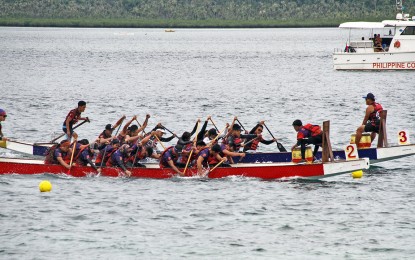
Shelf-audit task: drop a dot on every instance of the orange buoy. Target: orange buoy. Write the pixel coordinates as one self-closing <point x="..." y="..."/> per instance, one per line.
<point x="296" y="155"/>
<point x="397" y="44"/>
<point x="365" y="141"/>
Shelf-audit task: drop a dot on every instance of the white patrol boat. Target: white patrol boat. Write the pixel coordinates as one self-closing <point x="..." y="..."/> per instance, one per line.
<point x="386" y="45"/>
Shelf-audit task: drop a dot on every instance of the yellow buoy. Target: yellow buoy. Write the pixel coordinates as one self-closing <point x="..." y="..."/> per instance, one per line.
<point x="45" y="186"/>
<point x="357" y="174"/>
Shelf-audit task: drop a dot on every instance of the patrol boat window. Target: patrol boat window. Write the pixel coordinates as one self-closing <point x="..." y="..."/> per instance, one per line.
<point x="409" y="30"/>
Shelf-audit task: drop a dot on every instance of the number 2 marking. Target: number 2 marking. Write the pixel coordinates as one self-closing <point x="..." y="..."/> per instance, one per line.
<point x="350" y="152"/>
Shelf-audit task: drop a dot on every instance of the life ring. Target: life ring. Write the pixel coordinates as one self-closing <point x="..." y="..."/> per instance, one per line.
<point x="397" y="44"/>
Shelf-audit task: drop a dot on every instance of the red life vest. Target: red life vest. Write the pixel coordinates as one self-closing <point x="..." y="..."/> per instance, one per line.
<point x="75" y="115"/>
<point x="374" y="117"/>
<point x="308" y="130"/>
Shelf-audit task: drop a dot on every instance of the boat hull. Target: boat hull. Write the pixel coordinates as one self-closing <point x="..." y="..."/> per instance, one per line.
<point x="259" y="170"/>
<point x="27" y="148"/>
<point x="375" y="155"/>
<point x="374" y="61"/>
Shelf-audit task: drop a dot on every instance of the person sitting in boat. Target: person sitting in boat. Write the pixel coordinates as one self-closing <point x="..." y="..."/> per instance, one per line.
<point x="307" y="134"/>
<point x="207" y="157"/>
<point x="106" y="153"/>
<point x="168" y="159"/>
<point x="84" y="153"/>
<point x="234" y="140"/>
<point x="251" y="143"/>
<point x="129" y="134"/>
<point x="106" y="136"/>
<point x="59" y="154"/>
<point x="139" y="151"/>
<point x="72" y="118"/>
<point x="3" y="116"/>
<point x="119" y="157"/>
<point x="371" y="121"/>
<point x="158" y="137"/>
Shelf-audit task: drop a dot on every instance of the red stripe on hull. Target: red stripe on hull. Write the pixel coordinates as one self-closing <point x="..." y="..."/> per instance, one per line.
<point x="273" y="171"/>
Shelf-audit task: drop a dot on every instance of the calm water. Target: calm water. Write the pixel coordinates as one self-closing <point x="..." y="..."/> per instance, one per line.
<point x="276" y="75"/>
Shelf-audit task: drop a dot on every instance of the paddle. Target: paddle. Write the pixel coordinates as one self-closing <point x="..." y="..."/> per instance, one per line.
<point x="241" y="124"/>
<point x="78" y="125"/>
<point x="105" y="150"/>
<point x="279" y="145"/>
<point x="160" y="142"/>
<point x="73" y="152"/>
<point x="191" y="152"/>
<point x="217" y="165"/>
<point x="211" y="120"/>
<point x="168" y="130"/>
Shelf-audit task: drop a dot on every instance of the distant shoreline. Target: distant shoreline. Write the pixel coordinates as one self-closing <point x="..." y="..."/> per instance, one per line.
<point x="135" y="23"/>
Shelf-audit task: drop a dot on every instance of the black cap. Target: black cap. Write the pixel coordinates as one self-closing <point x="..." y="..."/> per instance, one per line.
<point x="200" y="143"/>
<point x="370" y="96"/>
<point x="236" y="127"/>
<point x="108" y="127"/>
<point x="297" y="122"/>
<point x="216" y="148"/>
<point x="212" y="131"/>
<point x="115" y="141"/>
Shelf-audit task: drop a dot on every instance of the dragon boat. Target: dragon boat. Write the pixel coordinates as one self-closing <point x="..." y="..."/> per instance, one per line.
<point x="255" y="170"/>
<point x="328" y="167"/>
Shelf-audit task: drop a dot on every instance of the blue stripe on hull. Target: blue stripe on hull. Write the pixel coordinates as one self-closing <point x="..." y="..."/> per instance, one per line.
<point x="286" y="157"/>
<point x="39" y="150"/>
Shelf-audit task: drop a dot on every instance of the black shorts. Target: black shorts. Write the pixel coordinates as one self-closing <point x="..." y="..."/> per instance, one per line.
<point x="371" y="128"/>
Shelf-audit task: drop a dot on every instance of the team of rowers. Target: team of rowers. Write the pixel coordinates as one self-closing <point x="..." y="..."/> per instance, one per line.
<point x="207" y="148"/>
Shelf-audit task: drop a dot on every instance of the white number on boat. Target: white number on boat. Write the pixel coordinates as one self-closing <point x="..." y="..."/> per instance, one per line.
<point x="403" y="137"/>
<point x="351" y="152"/>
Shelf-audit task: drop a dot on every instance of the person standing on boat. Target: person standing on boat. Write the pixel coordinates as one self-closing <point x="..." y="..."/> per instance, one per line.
<point x="3" y="116"/>
<point x="371" y="121"/>
<point x="307" y="134"/>
<point x="72" y="118"/>
<point x="252" y="143"/>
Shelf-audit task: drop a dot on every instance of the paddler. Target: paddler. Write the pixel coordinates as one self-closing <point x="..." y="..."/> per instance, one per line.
<point x="129" y="134"/>
<point x="84" y="153"/>
<point x="119" y="157"/>
<point x="59" y="154"/>
<point x="208" y="156"/>
<point x="106" y="136"/>
<point x="169" y="158"/>
<point x="371" y="121"/>
<point x="307" y="134"/>
<point x="3" y="116"/>
<point x="234" y="140"/>
<point x="139" y="151"/>
<point x="72" y="118"/>
<point x="106" y="152"/>
<point x="252" y="143"/>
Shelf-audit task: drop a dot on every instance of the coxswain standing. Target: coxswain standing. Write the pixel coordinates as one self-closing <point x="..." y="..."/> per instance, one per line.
<point x="3" y="116"/>
<point x="72" y="118"/>
<point x="371" y="121"/>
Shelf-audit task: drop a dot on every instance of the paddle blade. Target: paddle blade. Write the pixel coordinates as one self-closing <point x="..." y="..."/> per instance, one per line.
<point x="281" y="148"/>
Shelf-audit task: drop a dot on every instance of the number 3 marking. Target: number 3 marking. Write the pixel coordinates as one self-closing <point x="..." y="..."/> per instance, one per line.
<point x="403" y="138"/>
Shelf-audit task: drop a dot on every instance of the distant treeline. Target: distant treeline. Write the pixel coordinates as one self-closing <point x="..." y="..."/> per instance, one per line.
<point x="194" y="13"/>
